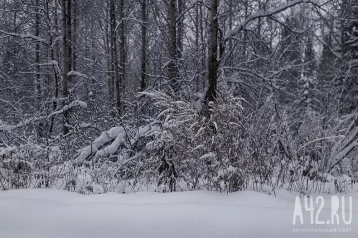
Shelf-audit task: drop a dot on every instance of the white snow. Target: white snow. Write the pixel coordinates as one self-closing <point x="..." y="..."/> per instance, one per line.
<point x="6" y="150"/>
<point x="208" y="155"/>
<point x="104" y="138"/>
<point x="112" y="148"/>
<point x="41" y="213"/>
<point x="85" y="125"/>
<point x="75" y="73"/>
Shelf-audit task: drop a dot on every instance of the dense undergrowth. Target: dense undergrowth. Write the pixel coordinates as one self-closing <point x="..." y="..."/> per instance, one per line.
<point x="179" y="145"/>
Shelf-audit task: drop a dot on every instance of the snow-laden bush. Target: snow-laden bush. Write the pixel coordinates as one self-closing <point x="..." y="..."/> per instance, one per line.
<point x="197" y="149"/>
<point x="182" y="147"/>
<point x="27" y="165"/>
<point x="298" y="154"/>
<point x="188" y="144"/>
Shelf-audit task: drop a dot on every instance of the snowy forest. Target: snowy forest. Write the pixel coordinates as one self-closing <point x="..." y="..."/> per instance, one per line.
<point x="176" y="95"/>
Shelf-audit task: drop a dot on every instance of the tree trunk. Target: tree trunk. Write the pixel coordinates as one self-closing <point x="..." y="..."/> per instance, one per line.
<point x="123" y="56"/>
<point x="66" y="38"/>
<point x="37" y="52"/>
<point x="108" y="40"/>
<point x="74" y="35"/>
<point x="143" y="84"/>
<point x="37" y="62"/>
<point x="180" y="35"/>
<point x="197" y="80"/>
<point x="213" y="52"/>
<point x="203" y="51"/>
<point x="114" y="53"/>
<point x="230" y="45"/>
<point x="172" y="48"/>
<point x="244" y="50"/>
<point x="54" y="67"/>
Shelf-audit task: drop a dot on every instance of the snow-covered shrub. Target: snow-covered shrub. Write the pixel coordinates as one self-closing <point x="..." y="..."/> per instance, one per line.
<point x="20" y="165"/>
<point x="195" y="147"/>
<point x="188" y="144"/>
<point x="291" y="152"/>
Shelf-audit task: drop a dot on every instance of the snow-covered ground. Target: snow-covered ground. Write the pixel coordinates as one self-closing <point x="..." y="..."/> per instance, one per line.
<point x="40" y="213"/>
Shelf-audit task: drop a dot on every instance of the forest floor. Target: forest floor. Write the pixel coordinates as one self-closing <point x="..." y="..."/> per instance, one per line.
<point x="46" y="213"/>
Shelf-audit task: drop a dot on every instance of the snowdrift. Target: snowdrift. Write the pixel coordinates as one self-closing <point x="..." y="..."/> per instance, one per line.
<point x="40" y="213"/>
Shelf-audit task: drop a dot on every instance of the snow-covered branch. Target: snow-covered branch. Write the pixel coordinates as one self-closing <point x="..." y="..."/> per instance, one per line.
<point x="260" y="14"/>
<point x="24" y="36"/>
<point x="76" y="103"/>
